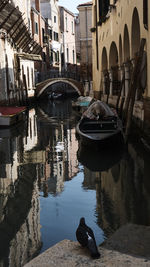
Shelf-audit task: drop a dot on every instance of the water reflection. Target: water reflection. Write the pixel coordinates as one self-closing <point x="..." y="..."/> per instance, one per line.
<point x="20" y="234"/>
<point x="48" y="181"/>
<point x="101" y="159"/>
<point x="57" y="127"/>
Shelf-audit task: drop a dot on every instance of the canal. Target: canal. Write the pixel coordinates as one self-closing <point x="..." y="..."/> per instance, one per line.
<point x="48" y="181"/>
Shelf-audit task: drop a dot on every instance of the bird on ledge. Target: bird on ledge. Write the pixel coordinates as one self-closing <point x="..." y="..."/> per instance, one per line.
<point x="85" y="237"/>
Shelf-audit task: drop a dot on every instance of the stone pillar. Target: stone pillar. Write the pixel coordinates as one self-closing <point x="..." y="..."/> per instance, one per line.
<point x="103" y="83"/>
<point x="127" y="77"/>
<point x="121" y="72"/>
<point x="111" y="82"/>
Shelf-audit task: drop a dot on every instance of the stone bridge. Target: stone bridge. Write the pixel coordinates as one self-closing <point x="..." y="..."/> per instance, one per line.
<point x="41" y="87"/>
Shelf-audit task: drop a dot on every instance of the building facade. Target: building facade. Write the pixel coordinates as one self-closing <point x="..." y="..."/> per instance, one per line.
<point x="68" y="47"/>
<point x="50" y="11"/>
<point x="85" y="25"/>
<point x="17" y="52"/>
<point x="118" y="28"/>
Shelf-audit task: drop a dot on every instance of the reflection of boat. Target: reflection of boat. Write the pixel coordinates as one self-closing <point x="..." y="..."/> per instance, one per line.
<point x="11" y="115"/>
<point x="99" y="125"/>
<point x="99" y="160"/>
<point x="56" y="95"/>
<point x="82" y="101"/>
<point x="13" y="131"/>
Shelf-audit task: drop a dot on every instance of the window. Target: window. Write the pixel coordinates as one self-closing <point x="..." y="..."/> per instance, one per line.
<point x="55" y="36"/>
<point x="28" y="77"/>
<point x="103" y="9"/>
<point x="36" y="28"/>
<point x="50" y="33"/>
<point x="66" y="22"/>
<point x="51" y="56"/>
<point x="67" y="55"/>
<point x="73" y="56"/>
<point x="57" y="56"/>
<point x="72" y="27"/>
<point x="145" y="14"/>
<point x="54" y="19"/>
<point x="43" y="33"/>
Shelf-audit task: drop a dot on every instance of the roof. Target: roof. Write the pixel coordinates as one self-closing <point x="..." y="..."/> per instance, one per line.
<point x="68" y="11"/>
<point x="86" y="4"/>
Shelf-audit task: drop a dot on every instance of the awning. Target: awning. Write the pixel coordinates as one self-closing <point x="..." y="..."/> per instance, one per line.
<point x="12" y="21"/>
<point x="32" y="57"/>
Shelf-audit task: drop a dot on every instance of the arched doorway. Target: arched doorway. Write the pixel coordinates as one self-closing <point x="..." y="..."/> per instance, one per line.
<point x="113" y="69"/>
<point x="105" y="74"/>
<point x="126" y="44"/>
<point x="127" y="63"/>
<point x="135" y="33"/>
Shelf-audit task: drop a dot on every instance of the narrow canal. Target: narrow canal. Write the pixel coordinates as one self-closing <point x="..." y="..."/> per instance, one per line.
<point x="48" y="181"/>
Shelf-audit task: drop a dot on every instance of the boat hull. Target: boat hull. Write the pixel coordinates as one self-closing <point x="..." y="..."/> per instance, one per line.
<point x="98" y="138"/>
<point x="12" y="115"/>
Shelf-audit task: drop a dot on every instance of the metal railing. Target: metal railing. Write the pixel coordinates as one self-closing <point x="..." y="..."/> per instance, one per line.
<point x="42" y="76"/>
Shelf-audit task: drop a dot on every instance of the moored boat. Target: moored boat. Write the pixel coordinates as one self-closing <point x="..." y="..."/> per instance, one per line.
<point x="99" y="125"/>
<point x="11" y="115"/>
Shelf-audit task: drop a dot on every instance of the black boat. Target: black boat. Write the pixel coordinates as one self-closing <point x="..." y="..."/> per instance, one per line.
<point x="99" y="125"/>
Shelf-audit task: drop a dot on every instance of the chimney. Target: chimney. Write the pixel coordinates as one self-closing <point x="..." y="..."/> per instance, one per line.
<point x="37" y="5"/>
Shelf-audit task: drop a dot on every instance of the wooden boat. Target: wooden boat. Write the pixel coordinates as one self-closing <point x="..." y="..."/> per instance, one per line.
<point x="99" y="125"/>
<point x="11" y="115"/>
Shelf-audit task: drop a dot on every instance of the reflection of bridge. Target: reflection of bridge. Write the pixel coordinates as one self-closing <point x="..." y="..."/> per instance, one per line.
<point x="41" y="87"/>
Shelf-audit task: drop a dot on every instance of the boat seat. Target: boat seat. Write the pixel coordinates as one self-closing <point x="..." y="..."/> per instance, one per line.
<point x="97" y="131"/>
<point x="99" y="127"/>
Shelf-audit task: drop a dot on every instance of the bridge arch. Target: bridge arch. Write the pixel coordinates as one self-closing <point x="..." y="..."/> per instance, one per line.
<point x="41" y="87"/>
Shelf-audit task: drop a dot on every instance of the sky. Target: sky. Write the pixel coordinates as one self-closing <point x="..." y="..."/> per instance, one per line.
<point x="71" y="4"/>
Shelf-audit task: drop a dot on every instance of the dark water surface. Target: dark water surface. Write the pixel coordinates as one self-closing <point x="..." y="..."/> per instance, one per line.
<point x="48" y="181"/>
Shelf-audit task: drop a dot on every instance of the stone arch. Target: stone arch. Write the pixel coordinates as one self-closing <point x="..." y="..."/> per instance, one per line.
<point x="113" y="72"/>
<point x="105" y="74"/>
<point x="104" y="59"/>
<point x="126" y="44"/>
<point x="120" y="50"/>
<point x="113" y="55"/>
<point x="42" y="86"/>
<point x="135" y="32"/>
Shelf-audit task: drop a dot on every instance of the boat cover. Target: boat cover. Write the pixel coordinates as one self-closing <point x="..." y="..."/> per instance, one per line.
<point x="8" y="111"/>
<point x="98" y="109"/>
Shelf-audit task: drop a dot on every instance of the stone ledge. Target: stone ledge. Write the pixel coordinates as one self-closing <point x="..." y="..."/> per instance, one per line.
<point x="115" y="252"/>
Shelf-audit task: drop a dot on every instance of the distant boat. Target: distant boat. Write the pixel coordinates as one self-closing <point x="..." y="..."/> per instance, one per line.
<point x="99" y="125"/>
<point x="82" y="101"/>
<point x="56" y="95"/>
<point x="11" y="115"/>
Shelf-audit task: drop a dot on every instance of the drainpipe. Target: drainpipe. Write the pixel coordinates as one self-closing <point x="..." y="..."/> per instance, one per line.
<point x="87" y="57"/>
<point x="3" y="37"/>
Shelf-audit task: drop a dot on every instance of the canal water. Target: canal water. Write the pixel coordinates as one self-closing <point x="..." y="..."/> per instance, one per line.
<point x="48" y="181"/>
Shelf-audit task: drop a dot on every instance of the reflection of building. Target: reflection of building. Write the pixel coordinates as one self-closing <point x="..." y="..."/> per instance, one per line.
<point x="62" y="162"/>
<point x="123" y="192"/>
<point x="27" y="240"/>
<point x="30" y="141"/>
<point x="61" y="147"/>
<point x="20" y="166"/>
<point x="72" y="147"/>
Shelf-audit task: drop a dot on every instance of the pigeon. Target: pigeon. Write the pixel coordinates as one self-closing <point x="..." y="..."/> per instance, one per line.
<point x="85" y="237"/>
